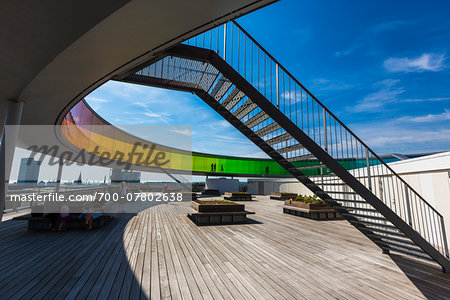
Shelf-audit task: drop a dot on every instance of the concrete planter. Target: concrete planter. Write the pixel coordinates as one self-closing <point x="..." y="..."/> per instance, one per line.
<point x="207" y="206"/>
<point x="210" y="213"/>
<point x="236" y="196"/>
<point x="315" y="211"/>
<point x="301" y="204"/>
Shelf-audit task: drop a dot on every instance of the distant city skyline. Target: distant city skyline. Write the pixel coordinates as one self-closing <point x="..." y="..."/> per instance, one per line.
<point x="384" y="73"/>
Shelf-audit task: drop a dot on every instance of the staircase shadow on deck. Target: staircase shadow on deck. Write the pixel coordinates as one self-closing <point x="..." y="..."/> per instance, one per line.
<point x="70" y="264"/>
<point x="416" y="269"/>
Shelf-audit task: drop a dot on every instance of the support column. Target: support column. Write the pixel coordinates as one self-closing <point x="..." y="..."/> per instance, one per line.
<point x="58" y="177"/>
<point x="7" y="148"/>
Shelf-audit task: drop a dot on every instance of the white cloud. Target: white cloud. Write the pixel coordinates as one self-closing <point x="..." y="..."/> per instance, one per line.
<point x="291" y="95"/>
<point x="222" y="123"/>
<point x="141" y="104"/>
<point x="185" y="132"/>
<point x="389" y="25"/>
<point x="94" y="99"/>
<point x="347" y="51"/>
<point x="429" y="118"/>
<point x="324" y="84"/>
<point x="414" y="100"/>
<point x="389" y="136"/>
<point x="387" y="92"/>
<point x="409" y="138"/>
<point x="96" y="102"/>
<point x="425" y="62"/>
<point x="163" y="117"/>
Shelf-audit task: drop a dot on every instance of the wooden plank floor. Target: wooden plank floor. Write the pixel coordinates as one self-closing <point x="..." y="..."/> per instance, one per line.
<point x="160" y="253"/>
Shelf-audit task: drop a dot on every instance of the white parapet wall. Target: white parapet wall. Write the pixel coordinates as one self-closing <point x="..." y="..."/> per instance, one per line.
<point x="222" y="184"/>
<point x="428" y="175"/>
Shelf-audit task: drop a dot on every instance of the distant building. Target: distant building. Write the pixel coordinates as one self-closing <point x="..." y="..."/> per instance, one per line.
<point x="119" y="175"/>
<point x="29" y="171"/>
<point x="78" y="181"/>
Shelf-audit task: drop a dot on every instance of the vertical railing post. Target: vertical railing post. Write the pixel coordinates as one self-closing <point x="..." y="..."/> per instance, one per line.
<point x="325" y="138"/>
<point x="225" y="42"/>
<point x="408" y="206"/>
<point x="444" y="236"/>
<point x="368" y="169"/>
<point x="277" y="76"/>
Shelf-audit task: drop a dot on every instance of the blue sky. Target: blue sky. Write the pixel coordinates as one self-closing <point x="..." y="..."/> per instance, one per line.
<point x="381" y="66"/>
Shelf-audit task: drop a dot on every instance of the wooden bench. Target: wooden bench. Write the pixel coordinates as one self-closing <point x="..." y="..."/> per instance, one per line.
<point x="42" y="223"/>
<point x="236" y="196"/>
<point x="218" y="218"/>
<point x="315" y="214"/>
<point x="211" y="192"/>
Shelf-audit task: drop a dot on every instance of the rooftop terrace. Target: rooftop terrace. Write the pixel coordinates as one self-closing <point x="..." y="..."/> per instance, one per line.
<point x="160" y="253"/>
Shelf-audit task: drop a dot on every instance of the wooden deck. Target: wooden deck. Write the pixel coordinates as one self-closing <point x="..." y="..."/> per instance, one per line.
<point x="160" y="253"/>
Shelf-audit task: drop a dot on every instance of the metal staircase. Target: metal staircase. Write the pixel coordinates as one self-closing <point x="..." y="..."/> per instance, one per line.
<point x="240" y="80"/>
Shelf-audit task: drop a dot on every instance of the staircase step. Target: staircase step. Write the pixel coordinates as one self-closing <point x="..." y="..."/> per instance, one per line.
<point x="268" y="129"/>
<point x="279" y="139"/>
<point x="341" y="192"/>
<point x="208" y="88"/>
<point x="359" y="208"/>
<point x="256" y="119"/>
<point x="331" y="184"/>
<point x="350" y="201"/>
<point x="221" y="87"/>
<point x="233" y="99"/>
<point x="364" y="216"/>
<point x="245" y="109"/>
<point x="310" y="167"/>
<point x="218" y="85"/>
<point x="300" y="157"/>
<point x="291" y="148"/>
<point x="234" y="91"/>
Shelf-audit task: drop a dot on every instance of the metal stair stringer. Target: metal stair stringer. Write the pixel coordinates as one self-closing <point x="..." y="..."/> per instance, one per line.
<point x="305" y="180"/>
<point x="257" y="140"/>
<point x="204" y="55"/>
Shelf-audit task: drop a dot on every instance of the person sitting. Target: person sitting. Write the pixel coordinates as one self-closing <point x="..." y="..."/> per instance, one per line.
<point x="92" y="213"/>
<point x="50" y="210"/>
<point x="83" y="216"/>
<point x="53" y="218"/>
<point x="90" y="216"/>
<point x="64" y="217"/>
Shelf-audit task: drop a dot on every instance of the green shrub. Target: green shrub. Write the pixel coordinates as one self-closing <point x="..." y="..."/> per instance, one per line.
<point x="226" y="202"/>
<point x="308" y="199"/>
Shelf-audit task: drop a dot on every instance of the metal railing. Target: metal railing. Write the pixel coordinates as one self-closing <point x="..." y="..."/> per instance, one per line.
<point x="271" y="79"/>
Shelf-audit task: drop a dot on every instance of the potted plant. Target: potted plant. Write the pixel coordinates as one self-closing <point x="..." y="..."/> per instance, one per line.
<point x="308" y="202"/>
